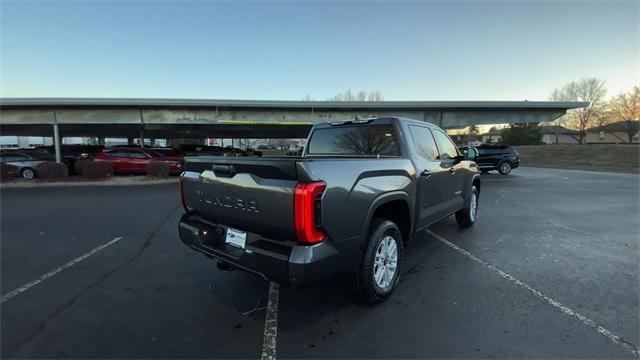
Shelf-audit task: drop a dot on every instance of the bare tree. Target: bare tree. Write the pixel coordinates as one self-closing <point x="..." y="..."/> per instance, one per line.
<point x="348" y="96"/>
<point x="375" y="96"/>
<point x="360" y="96"/>
<point x="284" y="144"/>
<point x="626" y="107"/>
<point x="591" y="90"/>
<point x="472" y="133"/>
<point x="251" y="143"/>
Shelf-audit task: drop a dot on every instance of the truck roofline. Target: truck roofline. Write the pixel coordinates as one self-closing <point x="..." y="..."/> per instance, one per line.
<point x="372" y="120"/>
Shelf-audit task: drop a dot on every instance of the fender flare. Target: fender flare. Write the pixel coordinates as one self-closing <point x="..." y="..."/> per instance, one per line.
<point x="467" y="190"/>
<point x="381" y="200"/>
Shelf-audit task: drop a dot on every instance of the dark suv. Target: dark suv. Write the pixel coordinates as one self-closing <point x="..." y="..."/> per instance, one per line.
<point x="496" y="157"/>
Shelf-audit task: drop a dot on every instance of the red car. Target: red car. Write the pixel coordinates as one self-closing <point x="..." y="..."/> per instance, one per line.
<point x="168" y="152"/>
<point x="136" y="160"/>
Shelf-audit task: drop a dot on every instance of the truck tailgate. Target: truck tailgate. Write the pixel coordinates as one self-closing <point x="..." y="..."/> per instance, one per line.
<point x="244" y="193"/>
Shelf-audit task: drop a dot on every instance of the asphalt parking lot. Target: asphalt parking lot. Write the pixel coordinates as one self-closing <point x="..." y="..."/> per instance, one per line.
<point x="550" y="270"/>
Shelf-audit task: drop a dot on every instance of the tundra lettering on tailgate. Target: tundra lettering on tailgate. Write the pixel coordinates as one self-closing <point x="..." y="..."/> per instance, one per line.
<point x="229" y="201"/>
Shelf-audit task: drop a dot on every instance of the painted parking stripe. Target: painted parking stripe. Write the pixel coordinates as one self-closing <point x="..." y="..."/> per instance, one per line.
<point x="537" y="293"/>
<point x="271" y="324"/>
<point x="55" y="271"/>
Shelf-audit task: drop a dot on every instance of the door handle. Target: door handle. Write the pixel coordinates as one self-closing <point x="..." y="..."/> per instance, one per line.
<point x="426" y="173"/>
<point x="452" y="170"/>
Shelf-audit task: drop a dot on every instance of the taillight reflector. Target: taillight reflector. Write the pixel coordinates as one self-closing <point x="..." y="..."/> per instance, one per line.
<point x="305" y="197"/>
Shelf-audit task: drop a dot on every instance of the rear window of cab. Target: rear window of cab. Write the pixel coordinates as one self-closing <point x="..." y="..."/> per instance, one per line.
<point x="371" y="140"/>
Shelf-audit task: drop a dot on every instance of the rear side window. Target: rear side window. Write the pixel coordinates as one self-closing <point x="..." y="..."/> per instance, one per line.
<point x="355" y="140"/>
<point x="446" y="147"/>
<point x="13" y="157"/>
<point x="155" y="153"/>
<point x="423" y="142"/>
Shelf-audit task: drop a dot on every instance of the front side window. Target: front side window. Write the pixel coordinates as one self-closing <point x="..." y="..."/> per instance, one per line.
<point x="137" y="154"/>
<point x="117" y="153"/>
<point x="423" y="142"/>
<point x="355" y="140"/>
<point x="446" y="147"/>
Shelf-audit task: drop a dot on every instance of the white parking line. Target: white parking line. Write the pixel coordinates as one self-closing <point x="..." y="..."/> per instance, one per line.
<point x="271" y="324"/>
<point x="537" y="293"/>
<point x="51" y="273"/>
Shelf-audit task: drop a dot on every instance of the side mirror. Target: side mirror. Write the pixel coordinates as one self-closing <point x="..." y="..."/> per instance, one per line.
<point x="470" y="154"/>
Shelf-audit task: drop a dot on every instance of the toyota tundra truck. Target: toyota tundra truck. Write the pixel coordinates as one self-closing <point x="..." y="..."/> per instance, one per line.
<point x="346" y="206"/>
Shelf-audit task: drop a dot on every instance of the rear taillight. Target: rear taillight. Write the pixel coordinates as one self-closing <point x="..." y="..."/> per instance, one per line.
<point x="306" y="209"/>
<point x="180" y="190"/>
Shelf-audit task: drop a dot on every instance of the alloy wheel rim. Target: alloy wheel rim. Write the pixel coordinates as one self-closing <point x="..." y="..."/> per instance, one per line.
<point x="386" y="262"/>
<point x="473" y="206"/>
<point x="505" y="167"/>
<point x="28" y="174"/>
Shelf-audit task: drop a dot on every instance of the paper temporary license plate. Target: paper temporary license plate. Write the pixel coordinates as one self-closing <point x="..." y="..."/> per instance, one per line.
<point x="236" y="238"/>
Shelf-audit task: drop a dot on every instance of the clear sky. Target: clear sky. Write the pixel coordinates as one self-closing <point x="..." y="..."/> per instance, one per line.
<point x="506" y="50"/>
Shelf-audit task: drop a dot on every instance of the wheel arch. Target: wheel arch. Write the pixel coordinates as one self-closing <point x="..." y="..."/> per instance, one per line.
<point x="394" y="206"/>
<point x="475" y="181"/>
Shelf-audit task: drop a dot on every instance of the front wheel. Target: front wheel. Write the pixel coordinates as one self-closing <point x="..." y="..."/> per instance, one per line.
<point x="466" y="216"/>
<point x="380" y="270"/>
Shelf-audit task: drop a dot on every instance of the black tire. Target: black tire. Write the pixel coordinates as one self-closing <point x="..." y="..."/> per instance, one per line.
<point x="465" y="217"/>
<point x="370" y="290"/>
<point x="28" y="173"/>
<point x="504" y="167"/>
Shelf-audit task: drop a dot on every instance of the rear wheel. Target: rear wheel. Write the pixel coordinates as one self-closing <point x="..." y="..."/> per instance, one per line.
<point x="380" y="269"/>
<point x="28" y="173"/>
<point x="466" y="217"/>
<point x="504" y="168"/>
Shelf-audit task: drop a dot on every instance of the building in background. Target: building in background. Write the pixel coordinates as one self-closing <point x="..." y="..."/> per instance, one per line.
<point x="556" y="134"/>
<point x="493" y="136"/>
<point x="614" y="133"/>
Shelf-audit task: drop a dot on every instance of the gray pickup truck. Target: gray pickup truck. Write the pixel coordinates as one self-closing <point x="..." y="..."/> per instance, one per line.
<point x="348" y="205"/>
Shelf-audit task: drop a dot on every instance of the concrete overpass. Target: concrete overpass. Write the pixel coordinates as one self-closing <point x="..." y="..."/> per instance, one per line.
<point x="197" y="118"/>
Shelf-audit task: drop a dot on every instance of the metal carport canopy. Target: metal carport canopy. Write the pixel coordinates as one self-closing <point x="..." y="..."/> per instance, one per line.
<point x="247" y="118"/>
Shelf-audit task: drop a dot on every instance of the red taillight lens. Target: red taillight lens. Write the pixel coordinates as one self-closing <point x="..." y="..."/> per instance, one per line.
<point x="306" y="199"/>
<point x="181" y="191"/>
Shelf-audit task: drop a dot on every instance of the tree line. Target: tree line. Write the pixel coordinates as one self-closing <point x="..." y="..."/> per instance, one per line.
<point x="624" y="107"/>
<point x="353" y="96"/>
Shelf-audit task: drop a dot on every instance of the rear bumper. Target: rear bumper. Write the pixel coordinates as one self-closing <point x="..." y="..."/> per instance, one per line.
<point x="284" y="262"/>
